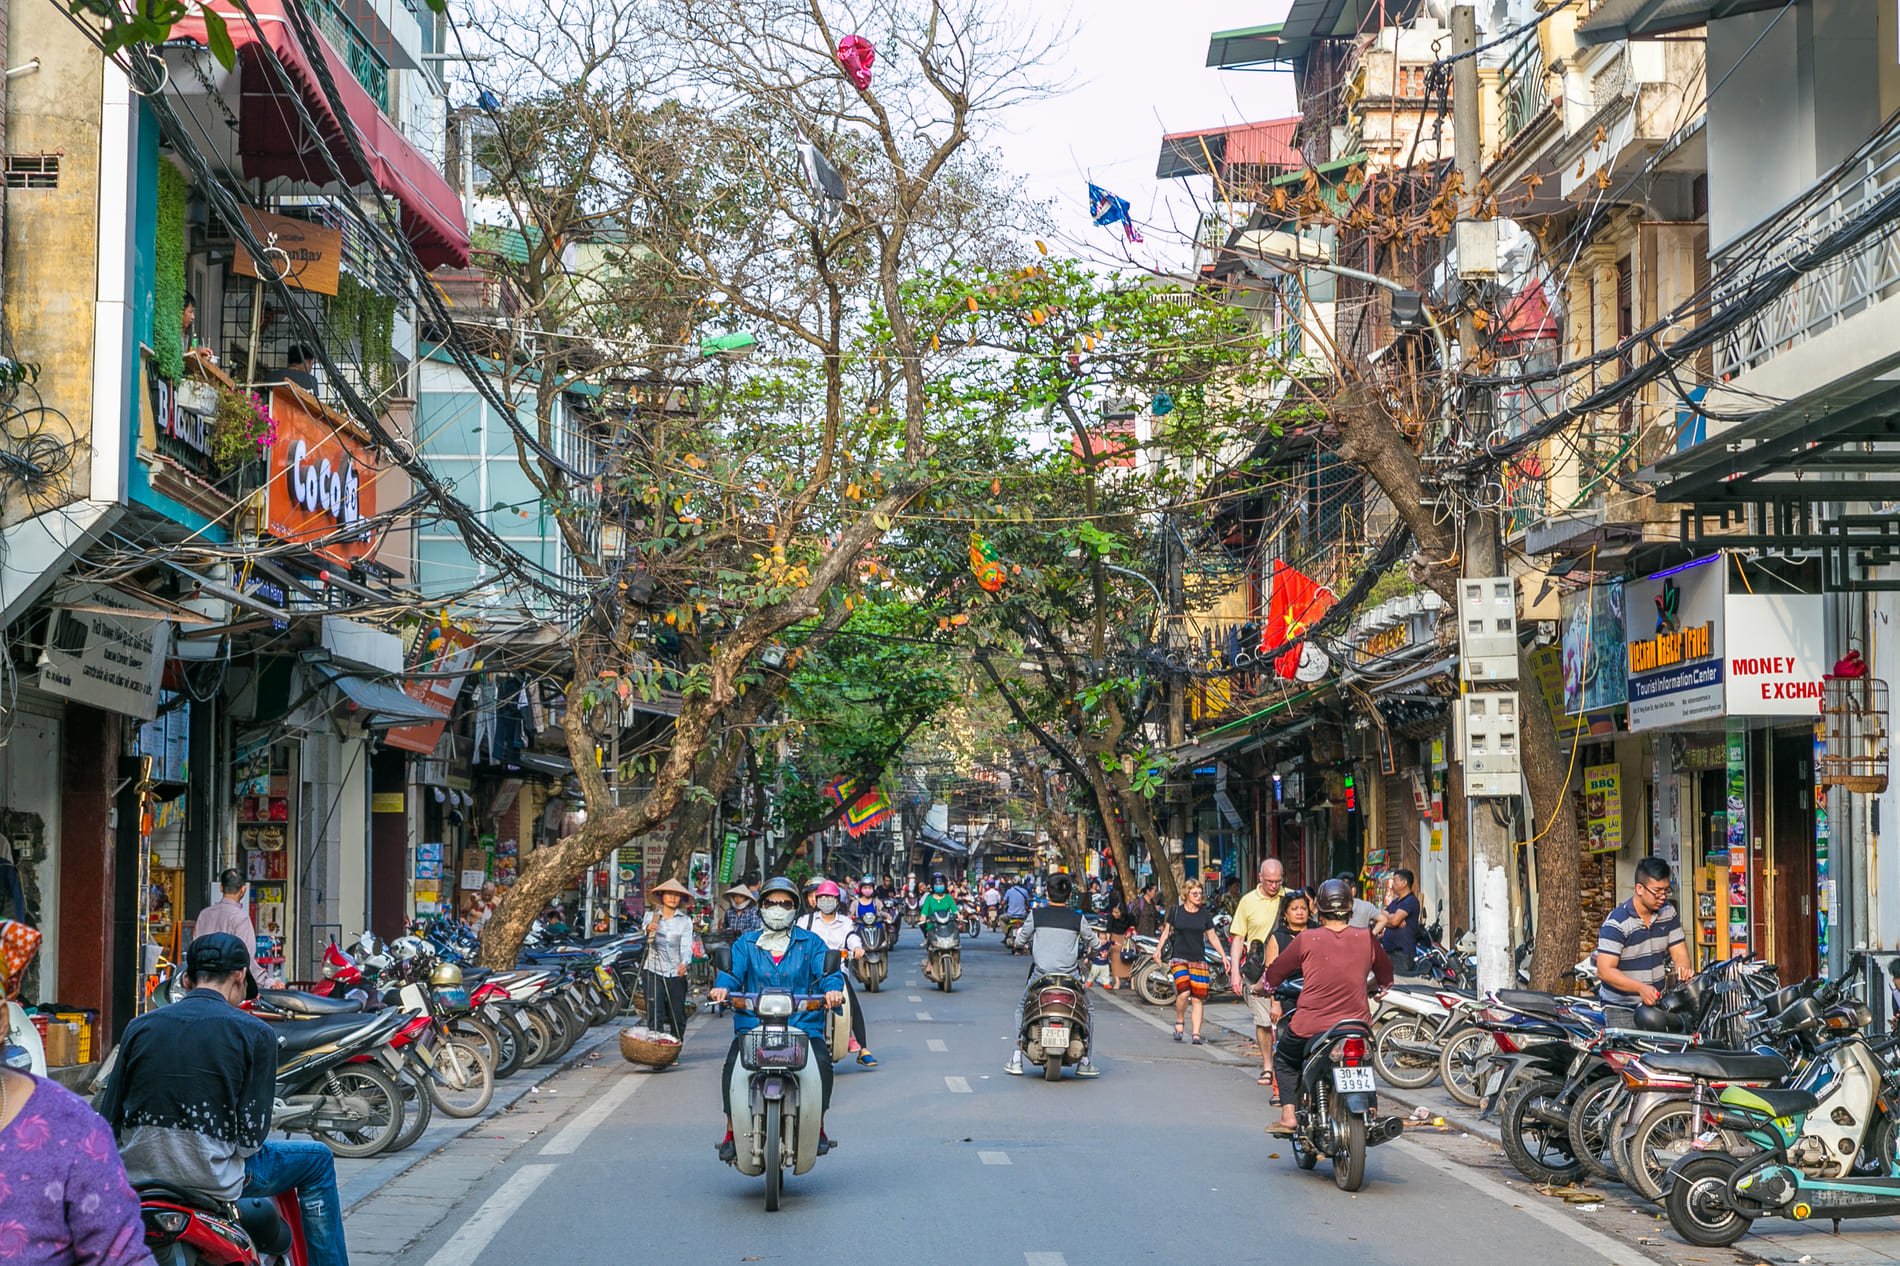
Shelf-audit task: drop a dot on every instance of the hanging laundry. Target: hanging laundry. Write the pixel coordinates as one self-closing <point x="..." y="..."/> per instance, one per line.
<point x="1106" y="209"/>
<point x="856" y="55"/>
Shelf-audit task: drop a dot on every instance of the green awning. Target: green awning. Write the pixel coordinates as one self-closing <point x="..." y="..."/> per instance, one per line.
<point x="1247" y="46"/>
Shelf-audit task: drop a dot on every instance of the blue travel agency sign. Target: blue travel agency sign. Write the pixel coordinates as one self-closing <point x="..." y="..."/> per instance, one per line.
<point x="1673" y="641"/>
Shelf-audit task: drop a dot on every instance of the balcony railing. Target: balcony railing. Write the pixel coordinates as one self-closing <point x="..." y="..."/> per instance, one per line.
<point x="1522" y="85"/>
<point x="367" y="66"/>
<point x="1853" y="281"/>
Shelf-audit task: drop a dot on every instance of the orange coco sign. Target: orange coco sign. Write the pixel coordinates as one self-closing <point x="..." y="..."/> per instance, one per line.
<point x="322" y="481"/>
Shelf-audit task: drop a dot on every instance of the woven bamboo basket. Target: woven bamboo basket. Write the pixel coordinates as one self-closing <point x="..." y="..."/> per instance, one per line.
<point x="644" y="1046"/>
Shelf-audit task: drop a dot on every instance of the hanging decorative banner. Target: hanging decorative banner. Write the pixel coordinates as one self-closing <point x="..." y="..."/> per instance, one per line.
<point x="985" y="564"/>
<point x="1105" y="209"/>
<point x="1737" y="841"/>
<point x="868" y="810"/>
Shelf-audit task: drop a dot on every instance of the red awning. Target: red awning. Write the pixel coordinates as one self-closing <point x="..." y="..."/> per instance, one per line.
<point x="273" y="141"/>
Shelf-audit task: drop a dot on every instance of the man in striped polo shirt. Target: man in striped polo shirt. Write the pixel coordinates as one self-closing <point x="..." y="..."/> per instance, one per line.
<point x="1640" y="939"/>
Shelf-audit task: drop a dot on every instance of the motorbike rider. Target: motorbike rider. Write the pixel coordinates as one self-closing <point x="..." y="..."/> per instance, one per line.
<point x="778" y="955"/>
<point x="1060" y="941"/>
<point x="840" y="933"/>
<point x="190" y="1101"/>
<point x="1333" y="961"/>
<point x="1016" y="901"/>
<point x="938" y="903"/>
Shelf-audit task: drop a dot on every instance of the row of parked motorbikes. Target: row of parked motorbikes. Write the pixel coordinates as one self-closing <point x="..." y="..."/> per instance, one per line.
<point x="1733" y="1098"/>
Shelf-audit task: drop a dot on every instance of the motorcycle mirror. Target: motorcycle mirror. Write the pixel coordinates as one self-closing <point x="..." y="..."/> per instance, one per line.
<point x="833" y="961"/>
<point x="721" y="956"/>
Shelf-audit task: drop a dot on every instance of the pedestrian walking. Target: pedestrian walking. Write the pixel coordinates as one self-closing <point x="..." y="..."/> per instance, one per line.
<point x="1185" y="936"/>
<point x="670" y="933"/>
<point x="1255" y="917"/>
<point x="1296" y="915"/>
<point x="1146" y="911"/>
<point x="1120" y="925"/>
<point x="1403" y="917"/>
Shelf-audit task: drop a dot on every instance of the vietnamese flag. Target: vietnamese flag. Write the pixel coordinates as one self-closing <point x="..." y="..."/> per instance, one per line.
<point x="1296" y="603"/>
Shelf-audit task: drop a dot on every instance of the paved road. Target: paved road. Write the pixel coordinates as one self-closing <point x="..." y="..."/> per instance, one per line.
<point x="943" y="1158"/>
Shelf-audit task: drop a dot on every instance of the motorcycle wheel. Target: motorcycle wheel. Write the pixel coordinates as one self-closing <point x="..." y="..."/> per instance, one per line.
<point x="1541" y="1152"/>
<point x="567" y="1027"/>
<point x="1404" y="1069"/>
<point x="514" y="1045"/>
<point x="1153" y="985"/>
<point x="1349" y="1162"/>
<point x="482" y="1034"/>
<point x="1461" y="1064"/>
<point x="377" y="1132"/>
<point x="1698" y="1205"/>
<point x="1594" y="1114"/>
<point x="1662" y="1138"/>
<point x="463" y="1081"/>
<point x="774" y="1168"/>
<point x="418" y="1111"/>
<point x="538" y="1038"/>
<point x="944" y="981"/>
<point x="1052" y="1068"/>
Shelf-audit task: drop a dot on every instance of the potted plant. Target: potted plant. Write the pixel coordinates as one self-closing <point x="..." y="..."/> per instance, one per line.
<point x="242" y="429"/>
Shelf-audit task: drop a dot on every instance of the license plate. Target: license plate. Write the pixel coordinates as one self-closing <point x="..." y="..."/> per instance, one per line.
<point x="1056" y="1037"/>
<point x="1351" y="1081"/>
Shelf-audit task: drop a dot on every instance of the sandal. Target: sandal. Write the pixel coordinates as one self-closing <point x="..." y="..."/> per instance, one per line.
<point x="1264" y="1079"/>
<point x="1198" y="1041"/>
<point x="1177" y="1033"/>
<point x="1280" y="1129"/>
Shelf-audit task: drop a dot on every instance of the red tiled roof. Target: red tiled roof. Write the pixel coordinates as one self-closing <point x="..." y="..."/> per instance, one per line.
<point x="1268" y="144"/>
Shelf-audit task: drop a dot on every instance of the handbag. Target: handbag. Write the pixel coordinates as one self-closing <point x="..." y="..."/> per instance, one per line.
<point x="1254" y="965"/>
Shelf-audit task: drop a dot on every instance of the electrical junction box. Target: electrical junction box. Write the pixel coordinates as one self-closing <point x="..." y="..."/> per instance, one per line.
<point x="1487" y="629"/>
<point x="1490" y="744"/>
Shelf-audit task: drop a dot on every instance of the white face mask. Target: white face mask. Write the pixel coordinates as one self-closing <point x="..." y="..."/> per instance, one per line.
<point x="778" y="918"/>
<point x="827" y="905"/>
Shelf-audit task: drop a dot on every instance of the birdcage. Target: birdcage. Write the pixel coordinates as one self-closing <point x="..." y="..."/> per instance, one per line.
<point x="1854" y="710"/>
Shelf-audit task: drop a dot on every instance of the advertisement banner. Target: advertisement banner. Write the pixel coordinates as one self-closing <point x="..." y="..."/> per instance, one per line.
<point x="729" y="859"/>
<point x="1673" y="637"/>
<point x="1593" y="649"/>
<point x="322" y="480"/>
<point x="1602" y="808"/>
<point x="437" y="668"/>
<point x="1775" y="651"/>
<point x="105" y="649"/>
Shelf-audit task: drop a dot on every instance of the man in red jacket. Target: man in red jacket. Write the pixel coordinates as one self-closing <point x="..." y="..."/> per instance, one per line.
<point x="1333" y="961"/>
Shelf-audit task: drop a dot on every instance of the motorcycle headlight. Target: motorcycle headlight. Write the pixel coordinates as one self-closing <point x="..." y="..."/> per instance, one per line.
<point x="775" y="1006"/>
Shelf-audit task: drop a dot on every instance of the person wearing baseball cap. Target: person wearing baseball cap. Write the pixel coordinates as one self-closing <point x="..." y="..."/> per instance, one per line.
<point x="190" y="1097"/>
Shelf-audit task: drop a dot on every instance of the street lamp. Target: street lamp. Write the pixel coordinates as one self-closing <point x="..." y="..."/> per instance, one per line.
<point x="736" y="346"/>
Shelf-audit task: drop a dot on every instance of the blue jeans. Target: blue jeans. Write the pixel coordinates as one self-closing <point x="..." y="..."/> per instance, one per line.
<point x="306" y="1167"/>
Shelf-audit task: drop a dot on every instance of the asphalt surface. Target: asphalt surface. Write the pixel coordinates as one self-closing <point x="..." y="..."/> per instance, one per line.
<point x="943" y="1158"/>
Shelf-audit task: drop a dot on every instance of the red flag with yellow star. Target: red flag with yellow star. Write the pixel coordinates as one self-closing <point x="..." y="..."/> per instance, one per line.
<point x="1296" y="602"/>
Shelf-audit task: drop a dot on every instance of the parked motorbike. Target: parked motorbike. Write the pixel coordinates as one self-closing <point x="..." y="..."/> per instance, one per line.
<point x="350" y="1105"/>
<point x="1055" y="1030"/>
<point x="943" y="958"/>
<point x="1337" y="1110"/>
<point x="872" y="966"/>
<point x="182" y="1229"/>
<point x="777" y="1081"/>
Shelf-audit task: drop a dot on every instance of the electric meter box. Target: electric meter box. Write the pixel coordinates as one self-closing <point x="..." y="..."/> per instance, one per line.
<point x="1487" y="628"/>
<point x="1490" y="744"/>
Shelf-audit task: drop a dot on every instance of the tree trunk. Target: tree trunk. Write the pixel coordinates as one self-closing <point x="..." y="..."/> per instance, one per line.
<point x="1558" y="854"/>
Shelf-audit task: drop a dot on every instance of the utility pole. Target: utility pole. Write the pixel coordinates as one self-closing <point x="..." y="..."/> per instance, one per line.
<point x="1488" y="837"/>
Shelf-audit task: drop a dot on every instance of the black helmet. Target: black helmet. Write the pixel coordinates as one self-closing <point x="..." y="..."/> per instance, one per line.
<point x="1334" y="900"/>
<point x="936" y="877"/>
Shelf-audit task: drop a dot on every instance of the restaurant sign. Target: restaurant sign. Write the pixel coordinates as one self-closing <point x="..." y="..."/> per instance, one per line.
<point x="322" y="480"/>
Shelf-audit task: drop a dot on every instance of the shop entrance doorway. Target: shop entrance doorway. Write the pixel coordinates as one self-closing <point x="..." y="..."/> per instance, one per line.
<point x="1791" y="869"/>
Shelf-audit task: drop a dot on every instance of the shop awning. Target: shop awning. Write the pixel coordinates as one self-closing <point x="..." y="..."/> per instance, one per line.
<point x="378" y="705"/>
<point x="1201" y="753"/>
<point x="538" y="763"/>
<point x="1615" y="20"/>
<point x="273" y="142"/>
<point x="930" y="837"/>
<point x="1254" y="145"/>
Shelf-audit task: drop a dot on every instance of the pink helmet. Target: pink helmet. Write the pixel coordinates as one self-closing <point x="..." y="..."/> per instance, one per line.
<point x="826" y="888"/>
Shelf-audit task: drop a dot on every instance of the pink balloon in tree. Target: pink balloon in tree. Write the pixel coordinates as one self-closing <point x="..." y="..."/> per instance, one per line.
<point x="856" y="55"/>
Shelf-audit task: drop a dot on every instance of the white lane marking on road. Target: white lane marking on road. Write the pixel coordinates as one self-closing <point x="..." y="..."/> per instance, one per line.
<point x="575" y="1132"/>
<point x="958" y="1085"/>
<point x="1606" y="1247"/>
<point x="1044" y="1259"/>
<point x="916" y="997"/>
<point x="938" y="1045"/>
<point x="993" y="1158"/>
<point x="923" y="1015"/>
<point x="1167" y="1026"/>
<point x="475" y="1234"/>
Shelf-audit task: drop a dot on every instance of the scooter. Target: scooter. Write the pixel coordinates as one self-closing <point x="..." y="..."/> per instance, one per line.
<point x="182" y="1229"/>
<point x="777" y="1080"/>
<point x="872" y="966"/>
<point x="943" y="961"/>
<point x="353" y="1108"/>
<point x="1055" y="1028"/>
<point x="1337" y="1113"/>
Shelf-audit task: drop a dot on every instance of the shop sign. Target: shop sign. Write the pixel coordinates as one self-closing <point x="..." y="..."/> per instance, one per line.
<point x="1775" y="654"/>
<point x="322" y="481"/>
<point x="439" y="665"/>
<point x="1602" y="808"/>
<point x="1673" y="644"/>
<point x="1593" y="649"/>
<point x="303" y="253"/>
<point x="105" y="649"/>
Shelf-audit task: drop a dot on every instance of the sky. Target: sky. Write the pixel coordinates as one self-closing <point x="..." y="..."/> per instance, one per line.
<point x="1136" y="69"/>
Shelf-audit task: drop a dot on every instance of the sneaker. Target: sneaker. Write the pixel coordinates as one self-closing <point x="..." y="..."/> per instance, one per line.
<point x="1087" y="1069"/>
<point x="1015" y="1066"/>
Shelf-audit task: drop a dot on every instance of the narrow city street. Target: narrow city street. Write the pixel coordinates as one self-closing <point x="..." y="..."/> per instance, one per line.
<point x="943" y="1158"/>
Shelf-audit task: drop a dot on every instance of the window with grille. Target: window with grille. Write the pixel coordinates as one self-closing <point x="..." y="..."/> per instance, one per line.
<point x="32" y="171"/>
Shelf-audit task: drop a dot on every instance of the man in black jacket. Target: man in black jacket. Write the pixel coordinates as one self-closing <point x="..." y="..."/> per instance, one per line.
<point x="191" y="1095"/>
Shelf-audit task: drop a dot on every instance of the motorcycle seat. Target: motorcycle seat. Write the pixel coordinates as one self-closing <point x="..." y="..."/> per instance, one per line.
<point x="177" y="1195"/>
<point x="302" y="1035"/>
<point x="297" y="1002"/>
<point x="1530" y="1002"/>
<point x="1787" y="1102"/>
<point x="472" y="976"/>
<point x="1719" y="1065"/>
<point x="269" y="1233"/>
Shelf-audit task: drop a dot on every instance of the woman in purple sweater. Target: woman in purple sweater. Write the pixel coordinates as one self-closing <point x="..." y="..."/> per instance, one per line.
<point x="64" y="1200"/>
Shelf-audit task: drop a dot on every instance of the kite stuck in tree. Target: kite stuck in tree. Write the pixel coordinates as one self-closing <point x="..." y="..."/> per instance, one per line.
<point x="1106" y="209"/>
